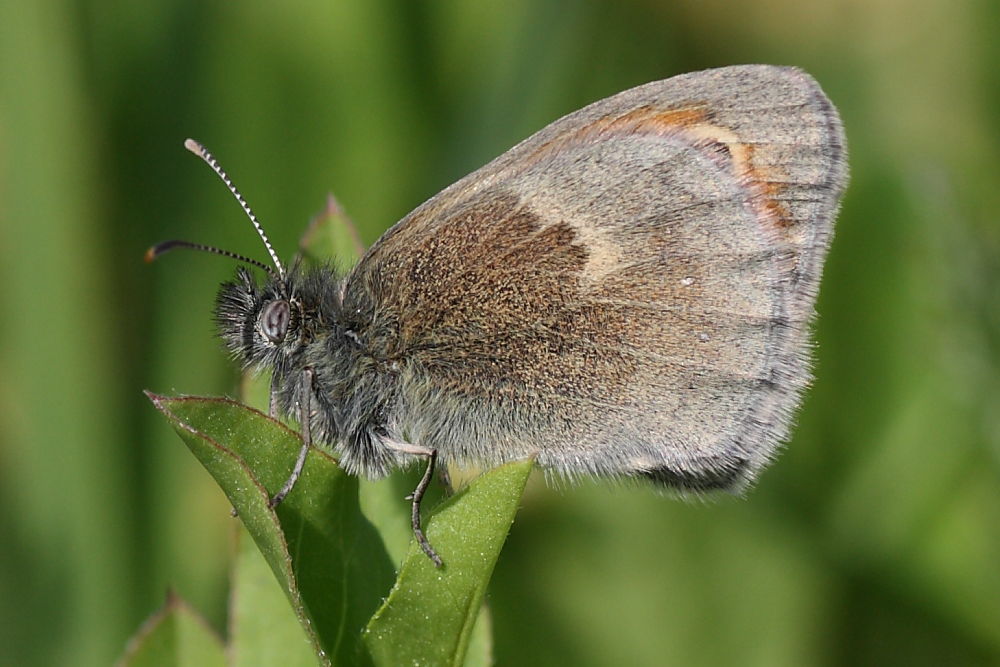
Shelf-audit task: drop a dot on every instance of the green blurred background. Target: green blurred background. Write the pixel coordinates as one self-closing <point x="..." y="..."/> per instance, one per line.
<point x="875" y="539"/>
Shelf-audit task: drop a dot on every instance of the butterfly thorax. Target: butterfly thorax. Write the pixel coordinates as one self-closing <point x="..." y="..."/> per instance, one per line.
<point x="298" y="324"/>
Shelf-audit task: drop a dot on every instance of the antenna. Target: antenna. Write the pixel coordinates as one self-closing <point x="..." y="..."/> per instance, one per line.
<point x="203" y="153"/>
<point x="165" y="246"/>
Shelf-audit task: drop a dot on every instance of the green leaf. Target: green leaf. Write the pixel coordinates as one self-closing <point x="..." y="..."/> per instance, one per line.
<point x="327" y="557"/>
<point x="175" y="636"/>
<point x="263" y="629"/>
<point x="430" y="613"/>
<point x="332" y="234"/>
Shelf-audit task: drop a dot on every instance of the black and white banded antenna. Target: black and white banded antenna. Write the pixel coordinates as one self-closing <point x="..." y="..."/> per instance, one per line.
<point x="163" y="247"/>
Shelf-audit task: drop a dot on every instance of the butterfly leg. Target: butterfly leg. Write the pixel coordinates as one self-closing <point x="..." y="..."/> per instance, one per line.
<point x="305" y="393"/>
<point x="272" y="404"/>
<point x="418" y="493"/>
<point x="415" y="498"/>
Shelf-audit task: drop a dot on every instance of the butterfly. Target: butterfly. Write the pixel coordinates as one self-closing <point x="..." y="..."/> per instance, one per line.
<point x="627" y="293"/>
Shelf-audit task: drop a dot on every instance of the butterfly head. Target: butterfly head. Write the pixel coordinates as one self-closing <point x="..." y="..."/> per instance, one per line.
<point x="260" y="324"/>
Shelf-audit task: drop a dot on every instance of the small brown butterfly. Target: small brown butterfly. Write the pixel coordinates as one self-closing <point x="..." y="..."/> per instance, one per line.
<point x="626" y="293"/>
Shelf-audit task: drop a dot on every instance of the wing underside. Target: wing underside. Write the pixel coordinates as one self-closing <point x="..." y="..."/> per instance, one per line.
<point x="625" y="293"/>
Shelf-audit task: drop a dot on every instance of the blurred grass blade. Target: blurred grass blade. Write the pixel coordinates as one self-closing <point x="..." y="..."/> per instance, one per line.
<point x="327" y="557"/>
<point x="429" y="616"/>
<point x="263" y="629"/>
<point x="480" y="653"/>
<point x="175" y="636"/>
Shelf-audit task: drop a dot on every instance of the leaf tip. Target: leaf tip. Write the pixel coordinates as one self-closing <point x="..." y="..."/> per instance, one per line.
<point x="159" y="401"/>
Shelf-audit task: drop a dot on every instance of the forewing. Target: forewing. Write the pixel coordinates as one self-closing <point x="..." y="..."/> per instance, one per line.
<point x="626" y="292"/>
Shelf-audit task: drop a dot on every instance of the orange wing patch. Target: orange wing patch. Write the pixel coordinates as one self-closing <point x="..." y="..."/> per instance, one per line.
<point x="719" y="143"/>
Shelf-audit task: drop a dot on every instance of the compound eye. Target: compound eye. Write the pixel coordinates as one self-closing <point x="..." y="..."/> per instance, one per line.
<point x="274" y="320"/>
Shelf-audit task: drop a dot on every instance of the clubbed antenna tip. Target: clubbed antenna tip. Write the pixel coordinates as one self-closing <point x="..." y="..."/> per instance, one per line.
<point x="166" y="246"/>
<point x="194" y="147"/>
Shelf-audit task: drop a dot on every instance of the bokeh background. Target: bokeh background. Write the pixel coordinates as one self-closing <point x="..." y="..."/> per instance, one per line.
<point x="875" y="539"/>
